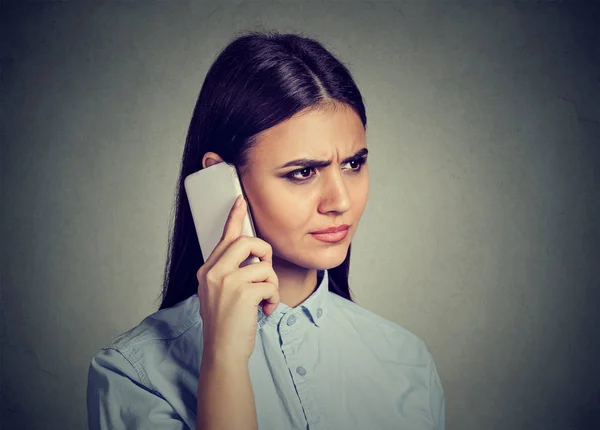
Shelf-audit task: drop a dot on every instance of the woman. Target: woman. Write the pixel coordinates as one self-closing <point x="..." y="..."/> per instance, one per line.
<point x="278" y="344"/>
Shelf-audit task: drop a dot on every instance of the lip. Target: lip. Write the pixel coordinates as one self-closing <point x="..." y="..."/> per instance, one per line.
<point x="332" y="237"/>
<point x="333" y="229"/>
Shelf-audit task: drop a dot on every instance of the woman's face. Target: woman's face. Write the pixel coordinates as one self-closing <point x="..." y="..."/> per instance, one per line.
<point x="286" y="212"/>
<point x="288" y="203"/>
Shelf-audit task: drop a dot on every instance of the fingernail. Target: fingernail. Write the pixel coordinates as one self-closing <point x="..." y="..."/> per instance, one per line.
<point x="238" y="201"/>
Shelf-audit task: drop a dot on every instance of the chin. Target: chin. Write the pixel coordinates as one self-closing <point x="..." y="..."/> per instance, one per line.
<point x="332" y="265"/>
<point x="316" y="261"/>
<point x="313" y="254"/>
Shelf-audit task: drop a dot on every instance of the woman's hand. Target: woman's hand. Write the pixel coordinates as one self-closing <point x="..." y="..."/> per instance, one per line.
<point x="229" y="295"/>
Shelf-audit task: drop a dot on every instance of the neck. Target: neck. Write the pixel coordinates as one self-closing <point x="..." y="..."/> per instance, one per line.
<point x="296" y="283"/>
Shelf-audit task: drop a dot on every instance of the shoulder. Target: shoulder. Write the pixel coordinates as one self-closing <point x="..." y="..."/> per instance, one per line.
<point x="162" y="325"/>
<point x="400" y="352"/>
<point x="393" y="341"/>
<point x="128" y="378"/>
<point x="155" y="342"/>
<point x="151" y="347"/>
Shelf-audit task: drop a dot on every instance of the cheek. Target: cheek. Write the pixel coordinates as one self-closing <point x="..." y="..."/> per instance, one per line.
<point x="282" y="220"/>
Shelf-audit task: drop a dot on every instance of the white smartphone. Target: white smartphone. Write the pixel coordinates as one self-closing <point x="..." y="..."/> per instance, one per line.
<point x="211" y="193"/>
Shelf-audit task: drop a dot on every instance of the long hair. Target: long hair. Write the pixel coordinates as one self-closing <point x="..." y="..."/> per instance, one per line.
<point x="260" y="79"/>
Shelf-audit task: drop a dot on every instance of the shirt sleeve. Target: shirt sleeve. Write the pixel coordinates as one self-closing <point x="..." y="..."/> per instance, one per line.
<point x="437" y="399"/>
<point x="117" y="399"/>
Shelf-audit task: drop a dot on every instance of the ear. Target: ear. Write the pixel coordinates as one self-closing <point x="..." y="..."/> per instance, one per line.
<point x="211" y="158"/>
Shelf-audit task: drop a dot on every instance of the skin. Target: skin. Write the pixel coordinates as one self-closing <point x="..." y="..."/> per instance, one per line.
<point x="285" y="213"/>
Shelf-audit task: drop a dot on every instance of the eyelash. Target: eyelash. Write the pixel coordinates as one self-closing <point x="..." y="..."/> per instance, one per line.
<point x="290" y="176"/>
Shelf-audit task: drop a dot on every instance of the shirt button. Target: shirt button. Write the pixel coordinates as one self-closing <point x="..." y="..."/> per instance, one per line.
<point x="319" y="312"/>
<point x="291" y="320"/>
<point x="300" y="370"/>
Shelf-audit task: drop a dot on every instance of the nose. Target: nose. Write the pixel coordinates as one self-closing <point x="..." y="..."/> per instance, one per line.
<point x="334" y="196"/>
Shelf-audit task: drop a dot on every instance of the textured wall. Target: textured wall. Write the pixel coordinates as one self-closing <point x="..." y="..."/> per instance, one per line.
<point x="481" y="232"/>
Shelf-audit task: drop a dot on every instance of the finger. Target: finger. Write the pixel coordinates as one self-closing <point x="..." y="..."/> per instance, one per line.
<point x="241" y="249"/>
<point x="256" y="273"/>
<point x="263" y="294"/>
<point x="234" y="224"/>
<point x="231" y="230"/>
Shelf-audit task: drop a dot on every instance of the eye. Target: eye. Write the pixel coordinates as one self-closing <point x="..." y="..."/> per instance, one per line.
<point x="299" y="176"/>
<point x="359" y="162"/>
<point x="302" y="178"/>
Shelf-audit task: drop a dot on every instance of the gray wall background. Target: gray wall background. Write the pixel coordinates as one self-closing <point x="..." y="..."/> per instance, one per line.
<point x="481" y="233"/>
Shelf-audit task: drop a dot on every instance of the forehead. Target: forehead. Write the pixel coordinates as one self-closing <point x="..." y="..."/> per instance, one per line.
<point x="312" y="133"/>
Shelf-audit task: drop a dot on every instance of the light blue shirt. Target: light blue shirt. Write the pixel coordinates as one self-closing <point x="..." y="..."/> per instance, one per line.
<point x="327" y="364"/>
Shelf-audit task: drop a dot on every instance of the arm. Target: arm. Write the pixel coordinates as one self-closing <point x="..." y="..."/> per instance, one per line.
<point x="225" y="396"/>
<point x="117" y="398"/>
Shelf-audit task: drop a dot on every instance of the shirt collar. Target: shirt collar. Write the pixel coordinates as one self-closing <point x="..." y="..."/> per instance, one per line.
<point x="315" y="306"/>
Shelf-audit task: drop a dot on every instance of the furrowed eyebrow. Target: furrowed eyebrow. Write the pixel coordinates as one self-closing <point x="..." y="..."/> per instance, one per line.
<point x="307" y="162"/>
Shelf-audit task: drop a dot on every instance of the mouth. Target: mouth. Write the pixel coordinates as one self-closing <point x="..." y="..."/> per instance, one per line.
<point x="332" y="236"/>
<point x="333" y="229"/>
